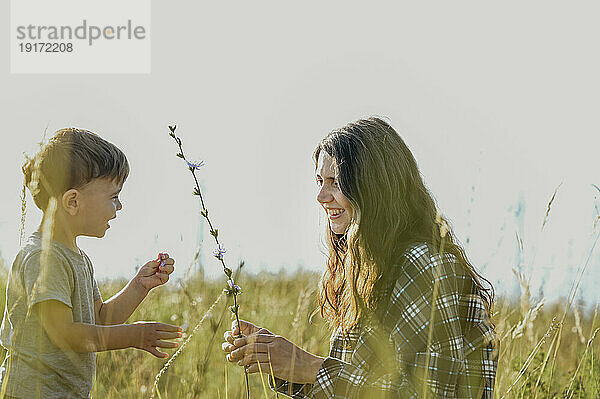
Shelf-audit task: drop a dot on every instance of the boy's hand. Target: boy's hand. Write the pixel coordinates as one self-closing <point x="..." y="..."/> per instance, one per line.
<point x="150" y="336"/>
<point x="156" y="272"/>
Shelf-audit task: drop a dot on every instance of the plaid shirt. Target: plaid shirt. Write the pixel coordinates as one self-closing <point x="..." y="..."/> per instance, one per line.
<point x="391" y="359"/>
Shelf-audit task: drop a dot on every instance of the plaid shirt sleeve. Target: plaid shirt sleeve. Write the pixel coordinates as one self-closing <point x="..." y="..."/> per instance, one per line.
<point x="397" y="358"/>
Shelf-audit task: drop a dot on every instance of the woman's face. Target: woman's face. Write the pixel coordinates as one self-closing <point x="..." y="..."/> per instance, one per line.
<point x="336" y="205"/>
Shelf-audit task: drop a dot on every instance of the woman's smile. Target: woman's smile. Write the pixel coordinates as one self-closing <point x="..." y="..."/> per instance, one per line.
<point x="334" y="213"/>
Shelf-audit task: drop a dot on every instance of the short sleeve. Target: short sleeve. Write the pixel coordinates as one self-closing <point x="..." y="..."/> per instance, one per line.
<point x="47" y="276"/>
<point x="95" y="289"/>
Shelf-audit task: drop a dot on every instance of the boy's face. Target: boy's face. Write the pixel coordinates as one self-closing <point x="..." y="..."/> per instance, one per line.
<point x="99" y="203"/>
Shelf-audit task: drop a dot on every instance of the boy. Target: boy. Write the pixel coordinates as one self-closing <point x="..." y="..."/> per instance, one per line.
<point x="55" y="319"/>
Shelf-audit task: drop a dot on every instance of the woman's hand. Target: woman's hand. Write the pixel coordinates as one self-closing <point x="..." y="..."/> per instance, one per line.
<point x="275" y="354"/>
<point x="247" y="329"/>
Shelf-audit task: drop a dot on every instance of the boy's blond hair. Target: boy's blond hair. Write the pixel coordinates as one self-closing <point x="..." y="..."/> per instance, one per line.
<point x="71" y="159"/>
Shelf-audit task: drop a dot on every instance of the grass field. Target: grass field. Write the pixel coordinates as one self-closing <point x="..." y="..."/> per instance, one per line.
<point x="539" y="356"/>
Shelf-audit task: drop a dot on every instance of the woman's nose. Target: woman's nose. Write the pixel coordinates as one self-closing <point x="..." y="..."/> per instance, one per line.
<point x="324" y="195"/>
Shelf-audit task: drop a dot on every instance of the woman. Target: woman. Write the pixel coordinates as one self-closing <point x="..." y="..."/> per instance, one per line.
<point x="410" y="315"/>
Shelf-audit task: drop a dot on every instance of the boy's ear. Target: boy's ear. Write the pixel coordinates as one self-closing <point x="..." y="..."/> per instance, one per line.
<point x="70" y="201"/>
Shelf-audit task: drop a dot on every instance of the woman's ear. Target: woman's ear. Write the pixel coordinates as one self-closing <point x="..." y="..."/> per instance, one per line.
<point x="71" y="201"/>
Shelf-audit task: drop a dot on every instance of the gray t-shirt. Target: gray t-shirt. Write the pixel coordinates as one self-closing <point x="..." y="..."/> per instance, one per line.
<point x="34" y="367"/>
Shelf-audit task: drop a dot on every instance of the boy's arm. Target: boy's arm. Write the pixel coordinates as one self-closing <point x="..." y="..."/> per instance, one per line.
<point x="57" y="319"/>
<point x="118" y="308"/>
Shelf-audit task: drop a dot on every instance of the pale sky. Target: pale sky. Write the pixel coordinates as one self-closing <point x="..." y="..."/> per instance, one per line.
<point x="498" y="103"/>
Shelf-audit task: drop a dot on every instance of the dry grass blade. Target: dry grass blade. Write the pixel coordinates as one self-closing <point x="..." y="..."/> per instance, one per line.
<point x="23" y="214"/>
<point x="299" y="325"/>
<point x="444" y="229"/>
<point x="226" y="385"/>
<point x="178" y="352"/>
<point x="578" y="328"/>
<point x="597" y="217"/>
<point x="262" y="380"/>
<point x="527" y="321"/>
<point x="549" y="206"/>
<point x="525" y="290"/>
<point x="272" y="375"/>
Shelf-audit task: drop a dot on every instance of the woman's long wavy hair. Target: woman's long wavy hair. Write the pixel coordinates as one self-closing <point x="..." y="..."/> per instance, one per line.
<point x="392" y="209"/>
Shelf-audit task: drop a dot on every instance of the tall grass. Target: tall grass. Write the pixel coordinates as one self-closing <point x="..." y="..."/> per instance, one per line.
<point x="280" y="302"/>
<point x="284" y="302"/>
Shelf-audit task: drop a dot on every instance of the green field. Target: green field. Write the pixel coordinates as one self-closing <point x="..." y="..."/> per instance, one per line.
<point x="538" y="357"/>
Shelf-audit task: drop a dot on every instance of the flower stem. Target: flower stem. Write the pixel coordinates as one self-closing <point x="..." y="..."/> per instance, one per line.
<point x="214" y="232"/>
